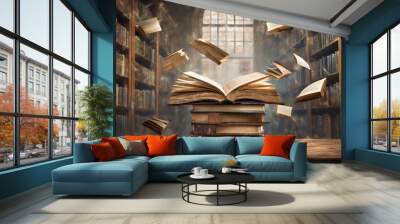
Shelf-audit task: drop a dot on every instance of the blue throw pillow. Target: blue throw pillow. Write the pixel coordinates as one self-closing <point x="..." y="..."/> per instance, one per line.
<point x="207" y="145"/>
<point x="249" y="145"/>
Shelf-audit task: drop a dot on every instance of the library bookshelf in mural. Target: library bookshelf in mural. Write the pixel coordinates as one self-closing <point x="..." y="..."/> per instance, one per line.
<point x="297" y="57"/>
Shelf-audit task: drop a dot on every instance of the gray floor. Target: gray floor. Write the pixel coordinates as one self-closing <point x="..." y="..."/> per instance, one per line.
<point x="379" y="189"/>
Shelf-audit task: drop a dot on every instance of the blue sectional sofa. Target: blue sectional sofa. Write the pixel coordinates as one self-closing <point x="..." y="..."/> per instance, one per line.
<point x="125" y="176"/>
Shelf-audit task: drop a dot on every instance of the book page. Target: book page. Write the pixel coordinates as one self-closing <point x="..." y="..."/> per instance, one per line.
<point x="242" y="81"/>
<point x="206" y="80"/>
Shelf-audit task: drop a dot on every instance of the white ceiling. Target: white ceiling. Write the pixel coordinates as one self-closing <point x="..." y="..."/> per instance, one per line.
<point x="313" y="15"/>
<point x="319" y="9"/>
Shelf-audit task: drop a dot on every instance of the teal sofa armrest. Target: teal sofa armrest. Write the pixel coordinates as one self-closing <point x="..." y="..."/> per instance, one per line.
<point x="83" y="152"/>
<point x="298" y="155"/>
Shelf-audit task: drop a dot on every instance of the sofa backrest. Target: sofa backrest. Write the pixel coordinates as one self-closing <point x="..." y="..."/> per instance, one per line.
<point x="206" y="145"/>
<point x="249" y="145"/>
<point x="83" y="152"/>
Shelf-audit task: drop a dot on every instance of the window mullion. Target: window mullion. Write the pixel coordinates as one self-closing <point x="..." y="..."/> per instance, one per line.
<point x="389" y="104"/>
<point x="73" y="81"/>
<point x="50" y="81"/>
<point x="16" y="84"/>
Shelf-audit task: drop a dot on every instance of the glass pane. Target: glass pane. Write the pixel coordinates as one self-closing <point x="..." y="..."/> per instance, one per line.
<point x="62" y="138"/>
<point x="206" y="17"/>
<point x="34" y="97"/>
<point x="81" y="45"/>
<point x="35" y="21"/>
<point x="6" y="74"/>
<point x="81" y="131"/>
<point x="7" y="14"/>
<point x="62" y="29"/>
<point x="379" y="98"/>
<point x="395" y="47"/>
<point x="6" y="142"/>
<point x="395" y="136"/>
<point x="395" y="94"/>
<point x="33" y="139"/>
<point x="81" y="81"/>
<point x="379" y="135"/>
<point x="62" y="89"/>
<point x="379" y="55"/>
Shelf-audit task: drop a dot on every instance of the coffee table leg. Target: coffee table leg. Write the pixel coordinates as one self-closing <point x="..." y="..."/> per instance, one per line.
<point x="195" y="188"/>
<point x="217" y="194"/>
<point x="245" y="193"/>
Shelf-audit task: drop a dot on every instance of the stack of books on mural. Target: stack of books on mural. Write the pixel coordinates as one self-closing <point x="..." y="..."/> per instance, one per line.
<point x="122" y="35"/>
<point x="121" y="64"/>
<point x="234" y="119"/>
<point x="121" y="96"/>
<point x="145" y="99"/>
<point x="191" y="88"/>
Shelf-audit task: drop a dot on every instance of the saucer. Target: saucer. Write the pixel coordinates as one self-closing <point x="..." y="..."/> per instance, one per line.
<point x="208" y="176"/>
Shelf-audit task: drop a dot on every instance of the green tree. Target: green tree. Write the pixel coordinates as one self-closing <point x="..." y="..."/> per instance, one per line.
<point x="96" y="103"/>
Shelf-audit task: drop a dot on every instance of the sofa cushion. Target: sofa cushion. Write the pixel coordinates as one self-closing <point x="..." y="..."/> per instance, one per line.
<point x="116" y="145"/>
<point x="277" y="145"/>
<point x="103" y="152"/>
<point x="112" y="171"/>
<point x="249" y="145"/>
<point x="206" y="145"/>
<point x="135" y="147"/>
<point x="257" y="163"/>
<point x="185" y="163"/>
<point x="161" y="145"/>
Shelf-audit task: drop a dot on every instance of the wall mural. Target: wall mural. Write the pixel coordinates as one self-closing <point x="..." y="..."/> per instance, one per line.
<point x="186" y="59"/>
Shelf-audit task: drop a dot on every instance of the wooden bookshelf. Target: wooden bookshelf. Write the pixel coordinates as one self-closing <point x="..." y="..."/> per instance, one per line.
<point x="124" y="77"/>
<point x="324" y="53"/>
<point x="329" y="49"/>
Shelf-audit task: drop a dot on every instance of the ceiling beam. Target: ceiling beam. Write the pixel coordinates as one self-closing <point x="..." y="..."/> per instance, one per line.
<point x="270" y="15"/>
<point x="347" y="11"/>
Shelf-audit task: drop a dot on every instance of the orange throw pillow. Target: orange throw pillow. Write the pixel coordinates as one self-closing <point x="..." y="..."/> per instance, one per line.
<point x="135" y="137"/>
<point x="161" y="145"/>
<point x="116" y="145"/>
<point x="103" y="152"/>
<point x="277" y="145"/>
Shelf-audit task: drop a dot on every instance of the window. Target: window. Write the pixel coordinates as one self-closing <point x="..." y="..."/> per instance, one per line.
<point x="6" y="73"/>
<point x="385" y="95"/>
<point x="62" y="29"/>
<point x="234" y="34"/>
<point x="30" y="88"/>
<point x="7" y="14"/>
<point x="81" y="45"/>
<point x="3" y="78"/>
<point x="30" y="71"/>
<point x="35" y="21"/>
<point x="43" y="127"/>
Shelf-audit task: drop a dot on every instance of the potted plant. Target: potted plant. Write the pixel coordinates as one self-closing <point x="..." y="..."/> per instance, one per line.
<point x="96" y="104"/>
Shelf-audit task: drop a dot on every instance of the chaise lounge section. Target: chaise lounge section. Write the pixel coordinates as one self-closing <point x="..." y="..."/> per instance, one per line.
<point x="125" y="176"/>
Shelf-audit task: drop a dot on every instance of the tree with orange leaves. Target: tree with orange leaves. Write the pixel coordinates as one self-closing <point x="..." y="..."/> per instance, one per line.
<point x="33" y="131"/>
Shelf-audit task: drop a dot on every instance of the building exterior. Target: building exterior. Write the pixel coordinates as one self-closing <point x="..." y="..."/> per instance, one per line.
<point x="34" y="80"/>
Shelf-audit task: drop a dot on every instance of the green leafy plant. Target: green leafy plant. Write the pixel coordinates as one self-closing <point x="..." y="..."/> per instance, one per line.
<point x="96" y="103"/>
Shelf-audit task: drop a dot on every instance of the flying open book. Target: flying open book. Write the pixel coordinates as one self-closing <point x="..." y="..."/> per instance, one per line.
<point x="194" y="88"/>
<point x="315" y="90"/>
<point x="279" y="72"/>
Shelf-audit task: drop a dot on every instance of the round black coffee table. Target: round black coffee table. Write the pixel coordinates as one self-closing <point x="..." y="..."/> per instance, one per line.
<point x="238" y="179"/>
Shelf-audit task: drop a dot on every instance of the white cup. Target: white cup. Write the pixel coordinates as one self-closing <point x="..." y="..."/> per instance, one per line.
<point x="203" y="172"/>
<point x="226" y="170"/>
<point x="196" y="171"/>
